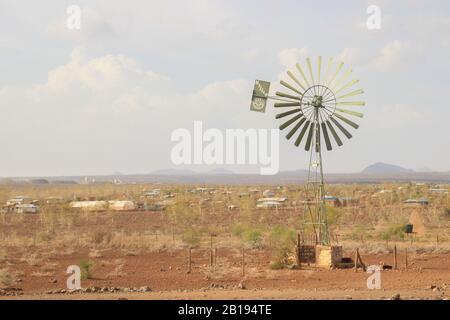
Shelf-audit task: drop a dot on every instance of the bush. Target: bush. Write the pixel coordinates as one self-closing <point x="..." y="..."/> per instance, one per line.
<point x="333" y="215"/>
<point x="253" y="237"/>
<point x="191" y="237"/>
<point x="86" y="269"/>
<point x="6" y="278"/>
<point x="249" y="235"/>
<point x="282" y="242"/>
<point x="396" y="232"/>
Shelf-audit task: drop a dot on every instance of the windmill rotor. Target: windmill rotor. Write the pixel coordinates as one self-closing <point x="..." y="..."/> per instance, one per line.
<point x="322" y="100"/>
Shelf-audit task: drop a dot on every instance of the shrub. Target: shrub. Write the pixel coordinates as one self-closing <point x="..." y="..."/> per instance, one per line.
<point x="282" y="241"/>
<point x="333" y="215"/>
<point x="86" y="269"/>
<point x="191" y="237"/>
<point x="396" y="232"/>
<point x="253" y="237"/>
<point x="6" y="278"/>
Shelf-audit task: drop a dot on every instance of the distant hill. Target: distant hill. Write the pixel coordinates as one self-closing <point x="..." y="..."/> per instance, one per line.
<point x="173" y="172"/>
<point x="220" y="171"/>
<point x="381" y="167"/>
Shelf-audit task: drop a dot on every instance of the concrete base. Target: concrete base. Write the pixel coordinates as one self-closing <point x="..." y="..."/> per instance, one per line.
<point x="328" y="256"/>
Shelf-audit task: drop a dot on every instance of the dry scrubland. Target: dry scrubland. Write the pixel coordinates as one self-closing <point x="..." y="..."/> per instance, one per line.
<point x="150" y="248"/>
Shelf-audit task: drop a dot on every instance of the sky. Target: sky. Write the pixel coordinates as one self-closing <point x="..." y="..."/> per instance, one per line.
<point x="106" y="98"/>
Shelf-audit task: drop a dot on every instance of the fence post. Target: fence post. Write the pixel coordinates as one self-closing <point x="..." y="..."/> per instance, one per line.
<point x="395" y="257"/>
<point x="189" y="260"/>
<point x="243" y="262"/>
<point x="406" y="258"/>
<point x="356" y="259"/>
<point x="211" y="261"/>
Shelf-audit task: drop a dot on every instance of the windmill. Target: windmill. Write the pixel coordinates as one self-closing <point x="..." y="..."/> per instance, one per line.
<point x="316" y="105"/>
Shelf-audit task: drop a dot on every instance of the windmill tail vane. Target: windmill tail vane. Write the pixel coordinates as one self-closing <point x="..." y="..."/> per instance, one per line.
<point x="318" y="103"/>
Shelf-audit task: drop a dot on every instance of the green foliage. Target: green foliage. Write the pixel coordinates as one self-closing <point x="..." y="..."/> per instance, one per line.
<point x="249" y="235"/>
<point x="237" y="229"/>
<point x="253" y="237"/>
<point x="191" y="237"/>
<point x="333" y="215"/>
<point x="86" y="269"/>
<point x="282" y="242"/>
<point x="359" y="231"/>
<point x="396" y="232"/>
<point x="6" y="278"/>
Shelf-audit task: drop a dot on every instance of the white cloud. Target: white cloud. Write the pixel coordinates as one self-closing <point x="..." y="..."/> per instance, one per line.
<point x="289" y="57"/>
<point x="398" y="54"/>
<point x="352" y="56"/>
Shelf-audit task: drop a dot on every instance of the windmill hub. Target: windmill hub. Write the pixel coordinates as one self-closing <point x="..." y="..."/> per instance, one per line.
<point x="317" y="102"/>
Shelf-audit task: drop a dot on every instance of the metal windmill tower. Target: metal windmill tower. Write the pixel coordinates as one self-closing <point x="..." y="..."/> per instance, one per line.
<point x="317" y="103"/>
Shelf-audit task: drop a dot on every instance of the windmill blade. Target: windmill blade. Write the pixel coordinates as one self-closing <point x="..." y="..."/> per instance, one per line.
<point x="348" y="85"/>
<point x="334" y="133"/>
<point x="293" y="77"/>
<point x="286" y="104"/>
<point x="349" y="122"/>
<point x="344" y="131"/>
<point x="325" y="135"/>
<point x="329" y="67"/>
<point x="284" y="114"/>
<point x="351" y="94"/>
<point x="351" y="103"/>
<point x="353" y="113"/>
<point x="339" y="67"/>
<point x="308" y="62"/>
<point x="310" y="135"/>
<point x="319" y="67"/>
<point x="285" y="95"/>
<point x="299" y="68"/>
<point x="291" y="121"/>
<point x="341" y="79"/>
<point x="287" y="85"/>
<point x="302" y="133"/>
<point x="296" y="127"/>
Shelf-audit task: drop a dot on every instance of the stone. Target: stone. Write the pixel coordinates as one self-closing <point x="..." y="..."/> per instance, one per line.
<point x="396" y="297"/>
<point x="145" y="289"/>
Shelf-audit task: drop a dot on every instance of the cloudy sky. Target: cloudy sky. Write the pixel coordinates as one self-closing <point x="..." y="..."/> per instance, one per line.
<point x="106" y="98"/>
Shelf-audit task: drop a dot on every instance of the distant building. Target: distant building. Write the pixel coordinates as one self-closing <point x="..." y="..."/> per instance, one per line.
<point x="26" y="208"/>
<point x="90" y="205"/>
<point x="121" y="205"/>
<point x="268" y="193"/>
<point x="18" y="200"/>
<point x="271" y="202"/>
<point x="54" y="200"/>
<point x="423" y="202"/>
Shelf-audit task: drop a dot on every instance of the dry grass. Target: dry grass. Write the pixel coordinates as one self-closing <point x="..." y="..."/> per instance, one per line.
<point x="32" y="259"/>
<point x="61" y="231"/>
